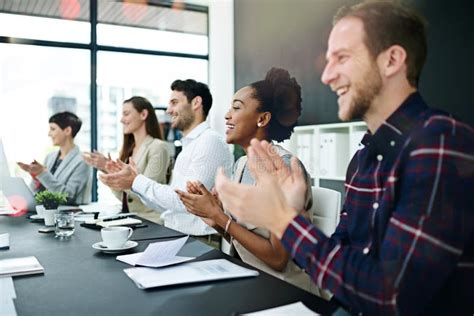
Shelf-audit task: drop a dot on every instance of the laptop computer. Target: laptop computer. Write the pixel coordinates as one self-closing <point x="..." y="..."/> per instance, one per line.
<point x="4" y="171"/>
<point x="18" y="194"/>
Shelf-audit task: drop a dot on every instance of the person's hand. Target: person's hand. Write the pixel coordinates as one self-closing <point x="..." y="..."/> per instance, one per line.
<point x="264" y="162"/>
<point x="114" y="166"/>
<point x="34" y="168"/>
<point x="123" y="179"/>
<point x="37" y="168"/>
<point x="263" y="205"/>
<point x="200" y="202"/>
<point x="24" y="166"/>
<point x="96" y="159"/>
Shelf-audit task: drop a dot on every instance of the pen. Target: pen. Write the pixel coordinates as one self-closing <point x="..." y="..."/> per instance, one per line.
<point x="115" y="218"/>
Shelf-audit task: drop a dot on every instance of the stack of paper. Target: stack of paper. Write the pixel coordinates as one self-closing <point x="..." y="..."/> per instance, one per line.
<point x="191" y="272"/>
<point x="8" y="294"/>
<point x="158" y="254"/>
<point x="20" y="266"/>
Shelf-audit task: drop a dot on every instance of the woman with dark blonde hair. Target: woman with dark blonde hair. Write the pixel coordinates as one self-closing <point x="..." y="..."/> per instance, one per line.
<point x="143" y="143"/>
<point x="266" y="110"/>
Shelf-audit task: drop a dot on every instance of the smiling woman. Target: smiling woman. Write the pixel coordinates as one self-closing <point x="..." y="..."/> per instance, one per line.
<point x="64" y="170"/>
<point x="143" y="143"/>
<point x="266" y="110"/>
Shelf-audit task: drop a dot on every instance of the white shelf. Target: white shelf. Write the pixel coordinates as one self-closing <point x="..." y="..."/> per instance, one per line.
<point x="332" y="178"/>
<point x="326" y="149"/>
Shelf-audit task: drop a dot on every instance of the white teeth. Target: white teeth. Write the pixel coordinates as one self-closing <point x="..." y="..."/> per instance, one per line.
<point x="342" y="90"/>
<point x="230" y="126"/>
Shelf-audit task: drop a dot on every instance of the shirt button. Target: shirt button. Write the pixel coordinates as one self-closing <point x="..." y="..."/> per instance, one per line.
<point x="375" y="205"/>
<point x="366" y="250"/>
<point x="379" y="157"/>
<point x="392" y="143"/>
<point x="130" y="200"/>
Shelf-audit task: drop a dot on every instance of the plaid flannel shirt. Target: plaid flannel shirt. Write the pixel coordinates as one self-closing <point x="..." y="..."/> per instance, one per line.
<point x="405" y="241"/>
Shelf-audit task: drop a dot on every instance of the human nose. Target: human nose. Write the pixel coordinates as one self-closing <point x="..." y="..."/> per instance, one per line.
<point x="227" y="116"/>
<point x="329" y="73"/>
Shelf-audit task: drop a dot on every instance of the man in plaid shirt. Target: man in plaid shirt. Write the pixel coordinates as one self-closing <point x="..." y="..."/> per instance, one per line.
<point x="405" y="241"/>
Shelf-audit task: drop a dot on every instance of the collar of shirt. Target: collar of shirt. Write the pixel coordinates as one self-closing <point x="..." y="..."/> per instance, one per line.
<point x="194" y="133"/>
<point x="391" y="135"/>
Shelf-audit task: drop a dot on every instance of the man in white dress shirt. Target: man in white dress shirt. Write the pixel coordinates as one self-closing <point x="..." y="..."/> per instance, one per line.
<point x="203" y="152"/>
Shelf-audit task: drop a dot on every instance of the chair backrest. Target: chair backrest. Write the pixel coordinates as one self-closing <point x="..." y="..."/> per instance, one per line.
<point x="326" y="209"/>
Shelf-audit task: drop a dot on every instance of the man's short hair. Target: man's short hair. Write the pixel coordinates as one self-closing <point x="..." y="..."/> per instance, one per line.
<point x="65" y="119"/>
<point x="191" y="89"/>
<point x="386" y="24"/>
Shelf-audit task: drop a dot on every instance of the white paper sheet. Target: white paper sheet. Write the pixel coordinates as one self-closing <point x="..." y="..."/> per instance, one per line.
<point x="7" y="307"/>
<point x="158" y="254"/>
<point x="4" y="240"/>
<point x="297" y="308"/>
<point x="7" y="289"/>
<point x="191" y="272"/>
<point x="103" y="209"/>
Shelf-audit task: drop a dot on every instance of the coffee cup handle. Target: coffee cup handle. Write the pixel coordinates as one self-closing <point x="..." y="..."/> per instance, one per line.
<point x="131" y="232"/>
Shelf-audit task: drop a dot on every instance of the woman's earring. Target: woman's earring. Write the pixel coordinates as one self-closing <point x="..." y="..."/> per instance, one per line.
<point x="259" y="124"/>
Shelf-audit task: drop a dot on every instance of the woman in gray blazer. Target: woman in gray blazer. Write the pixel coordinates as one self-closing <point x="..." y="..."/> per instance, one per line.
<point x="142" y="141"/>
<point x="63" y="170"/>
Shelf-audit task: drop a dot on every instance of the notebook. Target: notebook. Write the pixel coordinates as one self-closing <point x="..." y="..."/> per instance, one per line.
<point x="20" y="266"/>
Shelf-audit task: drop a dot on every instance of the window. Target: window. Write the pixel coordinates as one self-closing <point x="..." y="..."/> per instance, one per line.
<point x="49" y="57"/>
<point x="35" y="83"/>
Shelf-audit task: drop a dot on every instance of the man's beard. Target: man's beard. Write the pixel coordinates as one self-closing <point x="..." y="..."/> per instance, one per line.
<point x="365" y="93"/>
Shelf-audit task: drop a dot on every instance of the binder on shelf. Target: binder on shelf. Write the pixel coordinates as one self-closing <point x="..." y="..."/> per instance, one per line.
<point x="333" y="152"/>
<point x="304" y="152"/>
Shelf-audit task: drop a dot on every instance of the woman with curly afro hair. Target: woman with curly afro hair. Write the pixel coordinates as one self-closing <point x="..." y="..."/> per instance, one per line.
<point x="266" y="110"/>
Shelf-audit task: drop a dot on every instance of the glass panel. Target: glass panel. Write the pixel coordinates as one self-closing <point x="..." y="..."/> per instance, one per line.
<point x="36" y="82"/>
<point x="142" y="75"/>
<point x="139" y="25"/>
<point x="39" y="28"/>
<point x="139" y="14"/>
<point x="133" y="37"/>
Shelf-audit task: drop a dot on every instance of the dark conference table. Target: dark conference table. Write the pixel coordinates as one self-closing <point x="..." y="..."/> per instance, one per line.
<point x="79" y="280"/>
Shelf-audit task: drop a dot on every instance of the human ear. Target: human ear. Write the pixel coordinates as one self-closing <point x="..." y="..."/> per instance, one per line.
<point x="393" y="60"/>
<point x="144" y="114"/>
<point x="264" y="119"/>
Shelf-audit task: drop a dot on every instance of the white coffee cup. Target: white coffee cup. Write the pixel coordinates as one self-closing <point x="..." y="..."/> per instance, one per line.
<point x="115" y="237"/>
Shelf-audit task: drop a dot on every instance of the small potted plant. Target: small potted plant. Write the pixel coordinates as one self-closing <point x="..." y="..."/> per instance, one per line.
<point x="50" y="201"/>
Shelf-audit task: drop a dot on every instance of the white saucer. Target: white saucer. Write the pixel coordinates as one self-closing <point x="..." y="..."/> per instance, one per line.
<point x="128" y="245"/>
<point x="36" y="216"/>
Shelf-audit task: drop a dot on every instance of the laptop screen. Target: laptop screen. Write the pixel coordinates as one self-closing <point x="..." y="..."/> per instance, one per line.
<point x="4" y="171"/>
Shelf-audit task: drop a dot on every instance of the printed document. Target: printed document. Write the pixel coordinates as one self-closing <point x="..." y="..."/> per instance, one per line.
<point x="191" y="272"/>
<point x="158" y="254"/>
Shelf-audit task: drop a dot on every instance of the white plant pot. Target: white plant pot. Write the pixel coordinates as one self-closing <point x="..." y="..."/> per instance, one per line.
<point x="49" y="216"/>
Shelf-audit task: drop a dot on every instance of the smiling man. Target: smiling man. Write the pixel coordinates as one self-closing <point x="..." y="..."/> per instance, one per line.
<point x="203" y="152"/>
<point x="405" y="241"/>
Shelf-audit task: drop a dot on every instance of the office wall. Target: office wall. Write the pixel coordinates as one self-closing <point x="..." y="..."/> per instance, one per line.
<point x="293" y="34"/>
<point x="221" y="60"/>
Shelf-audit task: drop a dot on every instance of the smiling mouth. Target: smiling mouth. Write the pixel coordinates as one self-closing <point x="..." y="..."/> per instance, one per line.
<point x="229" y="127"/>
<point x="342" y="90"/>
